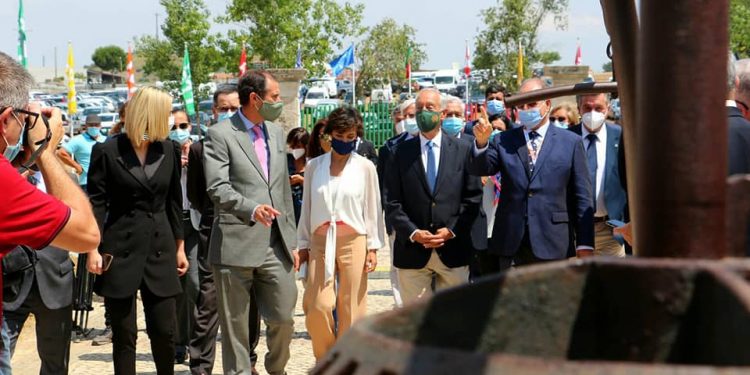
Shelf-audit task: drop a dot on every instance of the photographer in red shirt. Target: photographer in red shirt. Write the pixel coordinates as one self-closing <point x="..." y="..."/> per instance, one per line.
<point x="28" y="216"/>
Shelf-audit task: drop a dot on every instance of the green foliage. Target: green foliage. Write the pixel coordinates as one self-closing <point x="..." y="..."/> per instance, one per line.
<point x="607" y="66"/>
<point x="159" y="58"/>
<point x="383" y="54"/>
<point x="739" y="27"/>
<point x="512" y="23"/>
<point x="274" y="29"/>
<point x="112" y="58"/>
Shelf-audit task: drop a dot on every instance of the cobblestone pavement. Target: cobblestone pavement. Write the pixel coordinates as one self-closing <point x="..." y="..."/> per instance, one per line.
<point x="97" y="360"/>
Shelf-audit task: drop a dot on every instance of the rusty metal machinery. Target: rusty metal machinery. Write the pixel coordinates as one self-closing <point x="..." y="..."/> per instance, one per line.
<point x="680" y="307"/>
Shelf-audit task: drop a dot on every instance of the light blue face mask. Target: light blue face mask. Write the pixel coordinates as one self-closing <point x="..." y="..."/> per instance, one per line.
<point x="12" y="151"/>
<point x="494" y="133"/>
<point x="204" y="128"/>
<point x="225" y="115"/>
<point x="559" y="124"/>
<point x="179" y="135"/>
<point x="93" y="132"/>
<point x="410" y="126"/>
<point x="530" y="118"/>
<point x="495" y="107"/>
<point x="452" y="125"/>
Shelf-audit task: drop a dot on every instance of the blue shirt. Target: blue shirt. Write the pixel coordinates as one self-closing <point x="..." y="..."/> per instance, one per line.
<point x="80" y="148"/>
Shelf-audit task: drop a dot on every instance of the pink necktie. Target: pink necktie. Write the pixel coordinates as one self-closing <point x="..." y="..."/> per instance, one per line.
<point x="260" y="149"/>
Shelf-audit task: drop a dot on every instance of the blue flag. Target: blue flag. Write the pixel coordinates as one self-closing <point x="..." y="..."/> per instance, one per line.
<point x="347" y="58"/>
<point x="298" y="64"/>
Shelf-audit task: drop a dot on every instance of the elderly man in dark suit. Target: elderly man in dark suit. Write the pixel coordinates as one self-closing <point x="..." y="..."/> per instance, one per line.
<point x="602" y="141"/>
<point x="432" y="202"/>
<point x="739" y="127"/>
<point x="253" y="239"/>
<point x="546" y="186"/>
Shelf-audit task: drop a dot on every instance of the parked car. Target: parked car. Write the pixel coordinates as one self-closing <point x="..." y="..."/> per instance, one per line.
<point x="314" y="95"/>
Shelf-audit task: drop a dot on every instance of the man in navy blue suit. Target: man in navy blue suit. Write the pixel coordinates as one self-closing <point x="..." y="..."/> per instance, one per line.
<point x="546" y="198"/>
<point x="601" y="142"/>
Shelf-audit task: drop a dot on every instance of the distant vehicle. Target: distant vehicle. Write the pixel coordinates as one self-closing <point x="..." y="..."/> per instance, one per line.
<point x="614" y="109"/>
<point x="109" y="119"/>
<point x="381" y="96"/>
<point x="343" y="86"/>
<point x="329" y="83"/>
<point x="314" y="95"/>
<point x="446" y="80"/>
<point x="425" y="82"/>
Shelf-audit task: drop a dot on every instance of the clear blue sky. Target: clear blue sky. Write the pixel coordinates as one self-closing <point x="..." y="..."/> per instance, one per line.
<point x="442" y="25"/>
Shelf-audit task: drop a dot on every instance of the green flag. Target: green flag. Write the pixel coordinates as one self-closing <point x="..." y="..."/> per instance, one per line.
<point x="187" y="84"/>
<point x="22" y="57"/>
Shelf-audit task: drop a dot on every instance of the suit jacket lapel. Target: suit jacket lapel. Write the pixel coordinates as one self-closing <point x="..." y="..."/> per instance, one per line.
<point x="548" y="144"/>
<point x="244" y="139"/>
<point x="523" y="151"/>
<point x="613" y="143"/>
<point x="129" y="160"/>
<point x="154" y="157"/>
<point x="417" y="166"/>
<point x="447" y="149"/>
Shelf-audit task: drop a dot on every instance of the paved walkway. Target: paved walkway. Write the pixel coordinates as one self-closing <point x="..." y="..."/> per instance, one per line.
<point x="97" y="360"/>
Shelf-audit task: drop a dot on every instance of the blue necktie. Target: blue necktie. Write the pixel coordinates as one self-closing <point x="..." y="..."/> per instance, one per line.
<point x="592" y="162"/>
<point x="431" y="167"/>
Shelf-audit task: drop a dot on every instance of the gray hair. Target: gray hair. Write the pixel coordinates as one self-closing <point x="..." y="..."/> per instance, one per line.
<point x="431" y="90"/>
<point x="15" y="83"/>
<point x="452" y="99"/>
<point x="406" y="104"/>
<point x="742" y="69"/>
<point x="731" y="73"/>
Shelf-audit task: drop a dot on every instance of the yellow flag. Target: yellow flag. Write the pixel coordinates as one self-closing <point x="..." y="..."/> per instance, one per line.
<point x="71" y="78"/>
<point x="520" y="64"/>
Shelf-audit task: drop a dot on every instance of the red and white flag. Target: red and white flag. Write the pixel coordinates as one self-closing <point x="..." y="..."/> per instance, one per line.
<point x="243" y="61"/>
<point x="467" y="68"/>
<point x="131" y="73"/>
<point x="578" y="55"/>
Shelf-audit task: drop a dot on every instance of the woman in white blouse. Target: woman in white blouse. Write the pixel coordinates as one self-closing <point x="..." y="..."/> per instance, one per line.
<point x="340" y="230"/>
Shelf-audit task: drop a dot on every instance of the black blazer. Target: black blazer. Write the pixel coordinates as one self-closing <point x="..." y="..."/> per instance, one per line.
<point x="479" y="227"/>
<point x="367" y="149"/>
<point x="411" y="206"/>
<point x="139" y="212"/>
<point x="739" y="142"/>
<point x="53" y="272"/>
<point x="385" y="158"/>
<point x="196" y="181"/>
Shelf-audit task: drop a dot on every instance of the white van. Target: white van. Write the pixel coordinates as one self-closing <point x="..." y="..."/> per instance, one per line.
<point x="446" y="80"/>
<point x="314" y="95"/>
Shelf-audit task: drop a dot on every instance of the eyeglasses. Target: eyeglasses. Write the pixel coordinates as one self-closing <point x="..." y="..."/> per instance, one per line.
<point x="182" y="126"/>
<point x="227" y="109"/>
<point x="561" y="119"/>
<point x="31" y="121"/>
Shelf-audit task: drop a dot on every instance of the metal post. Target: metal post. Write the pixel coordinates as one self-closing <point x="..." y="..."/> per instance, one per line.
<point x="354" y="78"/>
<point x="682" y="133"/>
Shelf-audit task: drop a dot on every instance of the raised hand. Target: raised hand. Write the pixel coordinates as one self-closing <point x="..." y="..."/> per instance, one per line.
<point x="482" y="129"/>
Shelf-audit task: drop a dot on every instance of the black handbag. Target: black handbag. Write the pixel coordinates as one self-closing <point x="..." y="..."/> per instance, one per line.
<point x="18" y="267"/>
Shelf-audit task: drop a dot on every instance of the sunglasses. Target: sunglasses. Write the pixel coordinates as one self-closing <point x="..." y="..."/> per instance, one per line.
<point x="561" y="119"/>
<point x="182" y="126"/>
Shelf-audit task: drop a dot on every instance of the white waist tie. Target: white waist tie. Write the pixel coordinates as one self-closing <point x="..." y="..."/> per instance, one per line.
<point x="330" y="251"/>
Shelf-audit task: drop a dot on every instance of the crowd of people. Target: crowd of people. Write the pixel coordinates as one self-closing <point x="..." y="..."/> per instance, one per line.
<point x="214" y="233"/>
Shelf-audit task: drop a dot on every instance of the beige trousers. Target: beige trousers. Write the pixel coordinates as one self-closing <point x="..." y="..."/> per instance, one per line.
<point x="416" y="284"/>
<point x="321" y="295"/>
<point x="605" y="243"/>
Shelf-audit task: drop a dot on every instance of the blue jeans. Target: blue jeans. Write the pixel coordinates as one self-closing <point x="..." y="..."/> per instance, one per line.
<point x="5" y="368"/>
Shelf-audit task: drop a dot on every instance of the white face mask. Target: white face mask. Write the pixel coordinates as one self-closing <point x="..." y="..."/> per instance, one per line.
<point x="399" y="127"/>
<point x="298" y="153"/>
<point x="593" y="120"/>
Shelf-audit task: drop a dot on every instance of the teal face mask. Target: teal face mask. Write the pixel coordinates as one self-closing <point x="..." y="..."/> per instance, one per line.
<point x="452" y="125"/>
<point x="179" y="135"/>
<point x="93" y="132"/>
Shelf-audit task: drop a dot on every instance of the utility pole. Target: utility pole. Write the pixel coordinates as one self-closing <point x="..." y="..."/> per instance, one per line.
<point x="157" y="26"/>
<point x="55" y="61"/>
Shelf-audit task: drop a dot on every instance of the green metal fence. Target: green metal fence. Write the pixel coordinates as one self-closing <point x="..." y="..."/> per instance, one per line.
<point x="377" y="119"/>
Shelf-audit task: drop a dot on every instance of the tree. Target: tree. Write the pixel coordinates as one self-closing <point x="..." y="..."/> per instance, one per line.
<point x="514" y="23"/>
<point x="159" y="58"/>
<point x="274" y="29"/>
<point x="607" y="66"/>
<point x="383" y="54"/>
<point x="739" y="27"/>
<point x="111" y="58"/>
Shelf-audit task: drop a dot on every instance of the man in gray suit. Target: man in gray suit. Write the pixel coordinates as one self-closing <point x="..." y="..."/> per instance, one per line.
<point x="253" y="240"/>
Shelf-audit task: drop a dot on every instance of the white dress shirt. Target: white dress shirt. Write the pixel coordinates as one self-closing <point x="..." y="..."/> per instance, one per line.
<point x="601" y="159"/>
<point x="353" y="198"/>
<point x="435" y="149"/>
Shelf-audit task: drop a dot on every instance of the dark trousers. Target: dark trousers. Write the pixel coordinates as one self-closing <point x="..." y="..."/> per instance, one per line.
<point x="202" y="347"/>
<point x="53" y="328"/>
<point x="524" y="256"/>
<point x="160" y="326"/>
<point x="486" y="263"/>
<point x="190" y="288"/>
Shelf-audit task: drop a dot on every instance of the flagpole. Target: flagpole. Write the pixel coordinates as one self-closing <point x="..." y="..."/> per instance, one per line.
<point x="467" y="80"/>
<point x="354" y="77"/>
